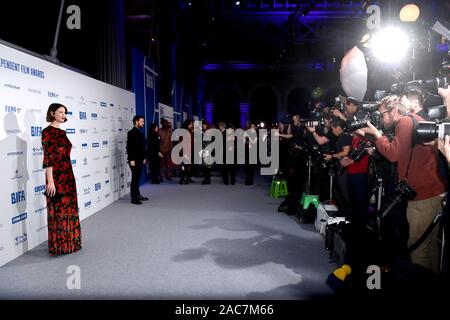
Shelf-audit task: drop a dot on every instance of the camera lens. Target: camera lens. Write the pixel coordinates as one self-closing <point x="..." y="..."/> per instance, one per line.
<point x="426" y="131"/>
<point x="444" y="129"/>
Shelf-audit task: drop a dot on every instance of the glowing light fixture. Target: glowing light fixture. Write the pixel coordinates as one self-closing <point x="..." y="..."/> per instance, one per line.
<point x="390" y="44"/>
<point x="409" y="13"/>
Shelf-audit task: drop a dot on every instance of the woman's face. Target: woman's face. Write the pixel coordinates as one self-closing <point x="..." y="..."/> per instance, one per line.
<point x="60" y="115"/>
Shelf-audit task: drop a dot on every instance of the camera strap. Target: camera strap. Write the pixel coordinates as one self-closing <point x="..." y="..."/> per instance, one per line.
<point x="413" y="144"/>
<point x="427" y="232"/>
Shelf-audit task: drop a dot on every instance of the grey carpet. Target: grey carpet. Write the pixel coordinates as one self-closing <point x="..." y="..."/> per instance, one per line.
<point x="187" y="242"/>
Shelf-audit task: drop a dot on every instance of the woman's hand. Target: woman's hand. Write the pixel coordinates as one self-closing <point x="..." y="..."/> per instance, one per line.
<point x="327" y="157"/>
<point x="50" y="189"/>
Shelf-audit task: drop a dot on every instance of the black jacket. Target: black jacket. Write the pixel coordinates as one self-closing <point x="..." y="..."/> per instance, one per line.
<point x="135" y="145"/>
<point x="153" y="146"/>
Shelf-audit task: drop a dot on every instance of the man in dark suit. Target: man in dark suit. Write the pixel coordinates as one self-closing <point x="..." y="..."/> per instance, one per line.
<point x="136" y="157"/>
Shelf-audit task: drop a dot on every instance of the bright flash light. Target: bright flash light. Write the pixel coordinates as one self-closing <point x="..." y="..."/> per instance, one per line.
<point x="409" y="13"/>
<point x="390" y="44"/>
<point x="261" y="124"/>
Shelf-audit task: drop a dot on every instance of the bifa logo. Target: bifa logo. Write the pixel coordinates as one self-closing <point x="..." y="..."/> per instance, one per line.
<point x="87" y="204"/>
<point x="93" y="116"/>
<point x="95" y="145"/>
<point x="19" y="218"/>
<point x="36" y="131"/>
<point x="82" y="115"/>
<point x="103" y="104"/>
<point x="374" y="280"/>
<point x="12" y="109"/>
<point x="84" y="146"/>
<point x="53" y="95"/>
<point x="17" y="197"/>
<point x="39" y="189"/>
<point x="70" y="131"/>
<point x="21" y="238"/>
<point x="105" y="143"/>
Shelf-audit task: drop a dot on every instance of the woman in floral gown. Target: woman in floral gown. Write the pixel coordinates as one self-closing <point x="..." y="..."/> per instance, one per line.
<point x="64" y="231"/>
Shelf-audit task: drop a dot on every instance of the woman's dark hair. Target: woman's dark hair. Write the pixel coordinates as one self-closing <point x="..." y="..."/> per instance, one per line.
<point x="151" y="129"/>
<point x="186" y="123"/>
<point x="52" y="108"/>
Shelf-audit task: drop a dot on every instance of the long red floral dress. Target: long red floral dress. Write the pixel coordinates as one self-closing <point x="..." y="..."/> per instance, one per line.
<point x="64" y="231"/>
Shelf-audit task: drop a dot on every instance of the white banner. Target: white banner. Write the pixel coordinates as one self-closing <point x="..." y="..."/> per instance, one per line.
<point x="99" y="117"/>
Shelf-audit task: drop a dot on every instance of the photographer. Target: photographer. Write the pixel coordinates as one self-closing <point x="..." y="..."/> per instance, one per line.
<point x="445" y="94"/>
<point x="340" y="145"/>
<point x="413" y="101"/>
<point x="351" y="108"/>
<point x="418" y="166"/>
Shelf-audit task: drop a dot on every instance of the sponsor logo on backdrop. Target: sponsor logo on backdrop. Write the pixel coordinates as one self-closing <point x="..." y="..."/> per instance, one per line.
<point x="53" y="95"/>
<point x="82" y="115"/>
<point x="106" y="170"/>
<point x="98" y="199"/>
<point x="12" y="86"/>
<point x="17" y="196"/>
<point x="95" y="145"/>
<point x="105" y="130"/>
<point x="21" y="238"/>
<point x="111" y="104"/>
<point x="93" y="102"/>
<point x="74" y="162"/>
<point x="104" y="118"/>
<point x="83" y="131"/>
<point x="98" y="186"/>
<point x="12" y="109"/>
<point x="69" y="98"/>
<point x="106" y="182"/>
<point x="87" y="205"/>
<point x="86" y="176"/>
<point x="34" y="91"/>
<point x="85" y="162"/>
<point x="41" y="228"/>
<point x="84" y="145"/>
<point x="106" y="157"/>
<point x="94" y="116"/>
<point x="107" y="195"/>
<point x="69" y="114"/>
<point x="13" y="131"/>
<point x="34" y="110"/>
<point x="20" y="217"/>
<point x="40" y="210"/>
<point x="38" y="170"/>
<point x="96" y="158"/>
<point x="17" y="175"/>
<point x="37" y="151"/>
<point x="87" y="190"/>
<point x="70" y="131"/>
<point x="82" y="101"/>
<point x="96" y="172"/>
<point x="103" y="104"/>
<point x="105" y="143"/>
<point x="38" y="190"/>
<point x="36" y="131"/>
<point x="94" y="131"/>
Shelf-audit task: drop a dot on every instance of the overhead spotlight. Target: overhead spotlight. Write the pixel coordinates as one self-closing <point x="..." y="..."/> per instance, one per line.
<point x="409" y="13"/>
<point x="390" y="44"/>
<point x="189" y="3"/>
<point x="238" y="3"/>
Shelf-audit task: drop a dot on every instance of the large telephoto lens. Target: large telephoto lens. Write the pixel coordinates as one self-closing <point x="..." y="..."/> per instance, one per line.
<point x="426" y="131"/>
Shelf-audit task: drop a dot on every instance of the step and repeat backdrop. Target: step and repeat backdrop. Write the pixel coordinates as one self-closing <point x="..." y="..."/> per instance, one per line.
<point x="99" y="118"/>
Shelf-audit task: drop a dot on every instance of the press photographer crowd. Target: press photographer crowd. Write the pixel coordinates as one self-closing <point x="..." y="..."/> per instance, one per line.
<point x="381" y="171"/>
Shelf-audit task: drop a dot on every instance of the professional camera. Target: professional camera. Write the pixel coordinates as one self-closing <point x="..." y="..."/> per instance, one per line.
<point x="402" y="192"/>
<point x="428" y="131"/>
<point x="339" y="103"/>
<point x="359" y="151"/>
<point x="374" y="117"/>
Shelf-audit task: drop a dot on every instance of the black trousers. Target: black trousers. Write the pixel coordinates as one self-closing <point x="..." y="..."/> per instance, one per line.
<point x="249" y="170"/>
<point x="155" y="168"/>
<point x="136" y="173"/>
<point x="229" y="171"/>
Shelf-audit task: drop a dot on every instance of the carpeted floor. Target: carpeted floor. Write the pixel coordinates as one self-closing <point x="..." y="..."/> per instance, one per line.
<point x="186" y="242"/>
